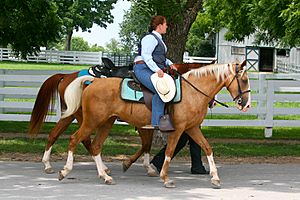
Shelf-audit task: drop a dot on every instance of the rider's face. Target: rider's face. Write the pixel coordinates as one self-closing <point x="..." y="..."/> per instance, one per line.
<point x="162" y="28"/>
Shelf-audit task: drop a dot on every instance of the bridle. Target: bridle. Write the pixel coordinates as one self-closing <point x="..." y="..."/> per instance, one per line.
<point x="238" y="98"/>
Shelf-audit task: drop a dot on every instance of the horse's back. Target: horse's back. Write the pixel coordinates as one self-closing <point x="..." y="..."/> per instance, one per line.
<point x="104" y="89"/>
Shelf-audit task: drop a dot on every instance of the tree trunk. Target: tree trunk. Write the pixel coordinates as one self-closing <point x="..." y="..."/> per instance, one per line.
<point x="177" y="32"/>
<point x="68" y="40"/>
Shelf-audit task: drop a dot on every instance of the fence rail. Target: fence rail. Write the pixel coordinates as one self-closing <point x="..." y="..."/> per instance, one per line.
<point x="18" y="90"/>
<point x="283" y="67"/>
<point x="68" y="57"/>
<point x="81" y="57"/>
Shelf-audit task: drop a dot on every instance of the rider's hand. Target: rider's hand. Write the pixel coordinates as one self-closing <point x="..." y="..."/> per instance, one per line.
<point x="160" y="73"/>
<point x="173" y="67"/>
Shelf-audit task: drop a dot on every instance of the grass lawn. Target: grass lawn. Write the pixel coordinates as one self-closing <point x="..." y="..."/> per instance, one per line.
<point x="124" y="140"/>
<point x="40" y="66"/>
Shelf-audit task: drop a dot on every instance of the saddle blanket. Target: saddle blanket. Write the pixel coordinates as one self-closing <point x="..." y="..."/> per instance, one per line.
<point x="84" y="72"/>
<point x="129" y="94"/>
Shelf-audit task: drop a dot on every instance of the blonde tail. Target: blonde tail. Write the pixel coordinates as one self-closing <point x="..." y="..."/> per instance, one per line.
<point x="73" y="95"/>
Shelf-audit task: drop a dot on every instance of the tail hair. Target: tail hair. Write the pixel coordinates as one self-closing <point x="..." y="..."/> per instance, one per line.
<point x="73" y="95"/>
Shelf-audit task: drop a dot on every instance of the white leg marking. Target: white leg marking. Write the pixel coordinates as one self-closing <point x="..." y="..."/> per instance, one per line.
<point x="150" y="170"/>
<point x="146" y="162"/>
<point x="212" y="167"/>
<point x="100" y="169"/>
<point x="104" y="167"/>
<point x="69" y="165"/>
<point x="46" y="158"/>
<point x="168" y="159"/>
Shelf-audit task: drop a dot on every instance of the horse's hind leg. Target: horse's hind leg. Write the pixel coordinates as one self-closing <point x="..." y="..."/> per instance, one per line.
<point x="59" y="128"/>
<point x="146" y="138"/>
<point x="196" y="134"/>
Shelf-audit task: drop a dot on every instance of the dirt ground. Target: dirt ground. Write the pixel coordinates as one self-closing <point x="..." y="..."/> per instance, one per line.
<point x="84" y="158"/>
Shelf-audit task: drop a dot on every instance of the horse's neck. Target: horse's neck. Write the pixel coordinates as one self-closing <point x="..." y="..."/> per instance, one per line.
<point x="206" y="84"/>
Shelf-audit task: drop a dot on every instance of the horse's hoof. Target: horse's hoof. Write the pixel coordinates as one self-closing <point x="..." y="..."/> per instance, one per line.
<point x="110" y="182"/>
<point x="169" y="184"/>
<point x="107" y="171"/>
<point x="216" y="184"/>
<point x="126" y="165"/>
<point x="60" y="176"/>
<point x="152" y="173"/>
<point x="49" y="170"/>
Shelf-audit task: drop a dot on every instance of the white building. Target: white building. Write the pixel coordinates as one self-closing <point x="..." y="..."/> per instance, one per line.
<point x="259" y="58"/>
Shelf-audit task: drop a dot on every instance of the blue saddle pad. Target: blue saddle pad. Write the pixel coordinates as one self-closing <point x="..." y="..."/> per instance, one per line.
<point x="129" y="94"/>
<point x="84" y="72"/>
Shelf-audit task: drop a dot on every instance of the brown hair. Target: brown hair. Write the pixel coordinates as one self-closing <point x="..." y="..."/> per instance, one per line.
<point x="155" y="21"/>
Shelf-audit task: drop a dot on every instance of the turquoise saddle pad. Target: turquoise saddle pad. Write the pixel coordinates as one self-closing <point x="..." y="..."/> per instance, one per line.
<point x="84" y="72"/>
<point x="132" y="95"/>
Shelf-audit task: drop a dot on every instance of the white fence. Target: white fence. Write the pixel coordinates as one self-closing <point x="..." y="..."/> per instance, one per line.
<point x="82" y="57"/>
<point x="283" y="67"/>
<point x="18" y="89"/>
<point x="193" y="59"/>
<point x="68" y="57"/>
<point x="53" y="56"/>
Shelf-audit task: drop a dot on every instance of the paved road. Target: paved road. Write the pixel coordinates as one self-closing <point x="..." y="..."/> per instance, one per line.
<point x="26" y="180"/>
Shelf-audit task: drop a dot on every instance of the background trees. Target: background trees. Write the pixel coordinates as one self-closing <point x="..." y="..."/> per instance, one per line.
<point x="28" y="24"/>
<point x="274" y="22"/>
<point x="180" y="16"/>
<point x="77" y="14"/>
<point x="201" y="37"/>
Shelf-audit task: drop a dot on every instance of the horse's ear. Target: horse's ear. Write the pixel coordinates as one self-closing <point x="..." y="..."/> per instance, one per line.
<point x="243" y="64"/>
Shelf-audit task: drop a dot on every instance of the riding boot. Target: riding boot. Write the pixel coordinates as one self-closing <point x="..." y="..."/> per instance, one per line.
<point x="165" y="123"/>
<point x="197" y="165"/>
<point x="159" y="158"/>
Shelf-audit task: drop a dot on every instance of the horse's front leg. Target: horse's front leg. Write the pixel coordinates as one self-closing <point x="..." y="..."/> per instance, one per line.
<point x="173" y="138"/>
<point x="146" y="138"/>
<point x="101" y="135"/>
<point x="75" y="139"/>
<point x="196" y="134"/>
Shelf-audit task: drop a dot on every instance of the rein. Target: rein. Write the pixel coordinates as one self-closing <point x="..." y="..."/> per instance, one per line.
<point x="212" y="98"/>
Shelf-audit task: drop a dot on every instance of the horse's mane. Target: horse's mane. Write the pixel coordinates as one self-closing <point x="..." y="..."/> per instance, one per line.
<point x="219" y="70"/>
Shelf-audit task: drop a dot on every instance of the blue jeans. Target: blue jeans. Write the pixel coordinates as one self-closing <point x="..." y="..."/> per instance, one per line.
<point x="143" y="73"/>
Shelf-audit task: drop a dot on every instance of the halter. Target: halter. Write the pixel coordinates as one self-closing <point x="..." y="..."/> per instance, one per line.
<point x="238" y="98"/>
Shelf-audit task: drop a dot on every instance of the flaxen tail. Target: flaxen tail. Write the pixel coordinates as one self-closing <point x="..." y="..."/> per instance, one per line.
<point x="73" y="95"/>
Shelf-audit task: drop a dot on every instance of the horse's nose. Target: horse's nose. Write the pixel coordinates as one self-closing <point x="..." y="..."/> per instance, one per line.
<point x="247" y="107"/>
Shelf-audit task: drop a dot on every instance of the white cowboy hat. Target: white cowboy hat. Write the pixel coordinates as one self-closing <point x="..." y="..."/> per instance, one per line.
<point x="164" y="86"/>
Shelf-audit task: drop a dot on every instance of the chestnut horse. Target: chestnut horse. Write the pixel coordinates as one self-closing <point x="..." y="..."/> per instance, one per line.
<point x="45" y="100"/>
<point x="187" y="115"/>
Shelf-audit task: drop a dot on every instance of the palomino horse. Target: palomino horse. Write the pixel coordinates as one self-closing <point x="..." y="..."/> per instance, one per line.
<point x="46" y="98"/>
<point x="187" y="115"/>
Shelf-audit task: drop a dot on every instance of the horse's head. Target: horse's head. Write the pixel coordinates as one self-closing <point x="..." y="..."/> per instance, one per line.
<point x="239" y="86"/>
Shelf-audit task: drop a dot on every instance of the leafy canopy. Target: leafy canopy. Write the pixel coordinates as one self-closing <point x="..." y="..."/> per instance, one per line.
<point x="28" y="24"/>
<point x="274" y="22"/>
